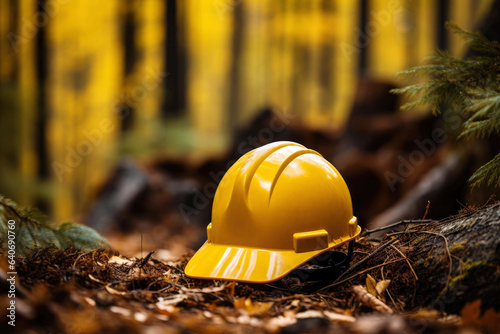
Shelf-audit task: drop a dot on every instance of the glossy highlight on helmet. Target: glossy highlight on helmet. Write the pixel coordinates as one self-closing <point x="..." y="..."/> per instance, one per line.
<point x="277" y="207"/>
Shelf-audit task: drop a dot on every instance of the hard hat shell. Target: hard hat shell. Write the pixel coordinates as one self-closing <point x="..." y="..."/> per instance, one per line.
<point x="277" y="207"/>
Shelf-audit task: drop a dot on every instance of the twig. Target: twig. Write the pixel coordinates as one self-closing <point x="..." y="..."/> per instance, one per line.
<point x="351" y="269"/>
<point x="168" y="287"/>
<point x="447" y="249"/>
<point x="370" y="300"/>
<point x="154" y="282"/>
<point x="361" y="252"/>
<point x="324" y="300"/>
<point x="413" y="271"/>
<point x="232" y="286"/>
<point x="426" y="210"/>
<point x="388" y="292"/>
<point x="359" y="273"/>
<point x="146" y="259"/>
<point x="396" y="224"/>
<point x="469" y="212"/>
<point x="180" y="271"/>
<point x="78" y="258"/>
<point x="407" y="261"/>
<point x="380" y="248"/>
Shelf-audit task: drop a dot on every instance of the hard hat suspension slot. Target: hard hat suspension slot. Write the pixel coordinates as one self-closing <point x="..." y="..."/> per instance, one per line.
<point x="326" y="267"/>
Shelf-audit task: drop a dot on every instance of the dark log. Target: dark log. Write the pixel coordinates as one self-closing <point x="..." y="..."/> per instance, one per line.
<point x="442" y="183"/>
<point x="457" y="261"/>
<point x="125" y="185"/>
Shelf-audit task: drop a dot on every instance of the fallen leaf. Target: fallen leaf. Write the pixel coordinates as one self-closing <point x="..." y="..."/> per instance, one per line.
<point x="167" y="310"/>
<point x="310" y="314"/>
<point x="382" y="286"/>
<point x="90" y="301"/>
<point x="451" y="319"/>
<point x="375" y="288"/>
<point x="140" y="316"/>
<point x="97" y="280"/>
<point x="162" y="317"/>
<point x="231" y="319"/>
<point x="25" y="309"/>
<point x="371" y="284"/>
<point x="212" y="289"/>
<point x="171" y="300"/>
<point x="120" y="310"/>
<point x="138" y="273"/>
<point x="339" y="317"/>
<point x="119" y="260"/>
<point x="471" y="315"/>
<point x="424" y="313"/>
<point x="115" y="292"/>
<point x="369" y="300"/>
<point x="274" y="324"/>
<point x="250" y="307"/>
<point x="245" y="319"/>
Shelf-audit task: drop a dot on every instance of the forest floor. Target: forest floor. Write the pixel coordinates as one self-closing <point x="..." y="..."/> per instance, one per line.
<point x="102" y="291"/>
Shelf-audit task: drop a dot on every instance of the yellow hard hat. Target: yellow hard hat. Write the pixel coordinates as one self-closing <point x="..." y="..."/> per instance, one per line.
<point x="277" y="207"/>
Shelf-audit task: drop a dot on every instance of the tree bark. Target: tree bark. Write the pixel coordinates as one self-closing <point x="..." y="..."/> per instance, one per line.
<point x="457" y="261"/>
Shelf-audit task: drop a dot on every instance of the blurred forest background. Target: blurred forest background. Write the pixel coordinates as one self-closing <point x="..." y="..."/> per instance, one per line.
<point x="84" y="83"/>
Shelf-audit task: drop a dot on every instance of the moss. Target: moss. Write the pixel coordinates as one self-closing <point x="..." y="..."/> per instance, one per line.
<point x="468" y="268"/>
<point x="469" y="265"/>
<point x="455" y="280"/>
<point x="455" y="248"/>
<point x="418" y="240"/>
<point x="424" y="262"/>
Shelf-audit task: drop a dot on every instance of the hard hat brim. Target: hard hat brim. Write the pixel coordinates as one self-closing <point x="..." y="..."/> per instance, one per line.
<point x="215" y="261"/>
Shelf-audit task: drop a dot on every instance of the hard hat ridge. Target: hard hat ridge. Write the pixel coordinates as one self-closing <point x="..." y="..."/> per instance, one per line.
<point x="254" y="161"/>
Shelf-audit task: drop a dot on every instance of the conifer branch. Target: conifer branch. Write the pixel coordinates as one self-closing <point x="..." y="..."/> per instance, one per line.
<point x="32" y="231"/>
<point x="488" y="174"/>
<point x="469" y="86"/>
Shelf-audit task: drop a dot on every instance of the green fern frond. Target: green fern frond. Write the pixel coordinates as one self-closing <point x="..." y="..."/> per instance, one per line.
<point x="33" y="231"/>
